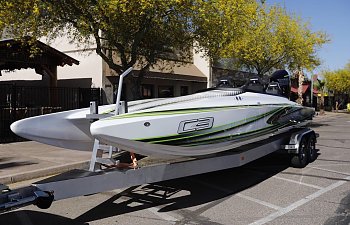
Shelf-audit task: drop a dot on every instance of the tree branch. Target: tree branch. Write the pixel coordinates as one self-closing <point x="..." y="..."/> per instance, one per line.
<point x="108" y="60"/>
<point x="144" y="28"/>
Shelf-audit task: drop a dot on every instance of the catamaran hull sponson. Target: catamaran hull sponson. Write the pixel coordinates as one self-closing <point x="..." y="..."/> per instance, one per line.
<point x="197" y="133"/>
<point x="68" y="129"/>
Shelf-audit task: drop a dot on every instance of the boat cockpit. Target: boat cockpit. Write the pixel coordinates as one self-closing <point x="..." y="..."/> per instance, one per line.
<point x="279" y="85"/>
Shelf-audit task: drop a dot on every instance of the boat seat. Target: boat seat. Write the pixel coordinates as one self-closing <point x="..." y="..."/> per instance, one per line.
<point x="254" y="85"/>
<point x="274" y="89"/>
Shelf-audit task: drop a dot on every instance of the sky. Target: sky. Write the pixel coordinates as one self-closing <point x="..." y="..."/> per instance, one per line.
<point x="330" y="16"/>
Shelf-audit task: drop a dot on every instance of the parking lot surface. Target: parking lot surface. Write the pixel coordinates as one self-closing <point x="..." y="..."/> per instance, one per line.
<point x="266" y="191"/>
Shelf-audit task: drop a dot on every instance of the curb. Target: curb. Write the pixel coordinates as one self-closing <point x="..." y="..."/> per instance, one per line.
<point x="18" y="177"/>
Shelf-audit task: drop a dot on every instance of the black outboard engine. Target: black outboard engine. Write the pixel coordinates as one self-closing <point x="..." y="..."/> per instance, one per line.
<point x="279" y="84"/>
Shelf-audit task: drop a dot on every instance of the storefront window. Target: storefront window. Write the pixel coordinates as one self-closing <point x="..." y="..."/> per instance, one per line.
<point x="165" y="91"/>
<point x="147" y="91"/>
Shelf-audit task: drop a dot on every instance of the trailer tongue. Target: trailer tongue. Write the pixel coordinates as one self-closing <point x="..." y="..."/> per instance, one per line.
<point x="13" y="199"/>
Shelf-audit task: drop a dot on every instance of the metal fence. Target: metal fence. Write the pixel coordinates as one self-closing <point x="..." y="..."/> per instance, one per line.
<point x="18" y="102"/>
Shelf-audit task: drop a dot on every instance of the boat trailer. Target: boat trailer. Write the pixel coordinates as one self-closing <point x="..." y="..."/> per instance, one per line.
<point x="298" y="142"/>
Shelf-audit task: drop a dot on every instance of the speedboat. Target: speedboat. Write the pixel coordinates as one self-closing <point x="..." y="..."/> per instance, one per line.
<point x="215" y="120"/>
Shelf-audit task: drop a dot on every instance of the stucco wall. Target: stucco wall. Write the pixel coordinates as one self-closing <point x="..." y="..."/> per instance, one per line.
<point x="203" y="64"/>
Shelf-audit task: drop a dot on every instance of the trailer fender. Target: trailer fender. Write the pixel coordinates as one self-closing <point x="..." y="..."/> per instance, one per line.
<point x="297" y="137"/>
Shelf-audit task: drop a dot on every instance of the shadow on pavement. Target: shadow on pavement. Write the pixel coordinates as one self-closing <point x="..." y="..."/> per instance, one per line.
<point x="211" y="188"/>
<point x="316" y="124"/>
<point x="15" y="164"/>
<point x="4" y="159"/>
<point x="28" y="217"/>
<point x="343" y="215"/>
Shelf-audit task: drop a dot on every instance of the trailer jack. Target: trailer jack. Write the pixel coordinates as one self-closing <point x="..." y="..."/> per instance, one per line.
<point x="17" y="198"/>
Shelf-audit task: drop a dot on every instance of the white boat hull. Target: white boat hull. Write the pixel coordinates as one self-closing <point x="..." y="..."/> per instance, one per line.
<point x="68" y="129"/>
<point x="197" y="124"/>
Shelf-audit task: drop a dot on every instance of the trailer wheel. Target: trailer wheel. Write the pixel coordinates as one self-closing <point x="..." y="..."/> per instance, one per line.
<point x="311" y="150"/>
<point x="301" y="159"/>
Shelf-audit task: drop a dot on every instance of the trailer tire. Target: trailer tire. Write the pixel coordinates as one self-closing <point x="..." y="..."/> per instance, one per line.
<point x="311" y="150"/>
<point x="301" y="159"/>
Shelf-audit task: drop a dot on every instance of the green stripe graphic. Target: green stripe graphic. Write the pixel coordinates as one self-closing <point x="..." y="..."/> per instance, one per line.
<point x="198" y="134"/>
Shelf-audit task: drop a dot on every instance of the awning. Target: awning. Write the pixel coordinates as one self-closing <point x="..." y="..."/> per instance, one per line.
<point x="184" y="72"/>
<point x="305" y="87"/>
<point x="295" y="89"/>
<point x="168" y="70"/>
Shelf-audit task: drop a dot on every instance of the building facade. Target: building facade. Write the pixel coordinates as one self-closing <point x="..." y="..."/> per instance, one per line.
<point x="167" y="78"/>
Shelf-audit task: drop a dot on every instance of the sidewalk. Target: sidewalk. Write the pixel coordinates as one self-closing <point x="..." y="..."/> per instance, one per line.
<point x="27" y="160"/>
<point x="327" y="114"/>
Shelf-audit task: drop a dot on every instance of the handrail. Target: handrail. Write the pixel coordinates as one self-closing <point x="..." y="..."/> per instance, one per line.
<point x="120" y="86"/>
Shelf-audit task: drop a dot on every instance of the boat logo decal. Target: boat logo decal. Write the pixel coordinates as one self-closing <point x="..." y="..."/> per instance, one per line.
<point x="195" y="124"/>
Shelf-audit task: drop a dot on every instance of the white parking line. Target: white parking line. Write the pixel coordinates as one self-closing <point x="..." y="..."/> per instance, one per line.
<point x="267" y="204"/>
<point x="332" y="171"/>
<point x="298" y="182"/>
<point x="331" y="164"/>
<point x="299" y="203"/>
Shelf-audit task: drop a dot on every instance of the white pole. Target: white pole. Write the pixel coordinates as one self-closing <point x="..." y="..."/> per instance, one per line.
<point x="120" y="86"/>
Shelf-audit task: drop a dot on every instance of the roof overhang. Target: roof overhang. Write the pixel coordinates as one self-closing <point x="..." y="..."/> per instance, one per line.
<point x="17" y="54"/>
<point x="167" y="70"/>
